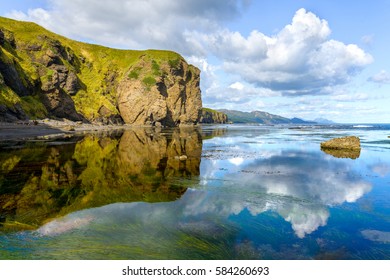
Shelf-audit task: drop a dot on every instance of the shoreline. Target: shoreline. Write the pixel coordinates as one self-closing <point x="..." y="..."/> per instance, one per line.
<point x="48" y="129"/>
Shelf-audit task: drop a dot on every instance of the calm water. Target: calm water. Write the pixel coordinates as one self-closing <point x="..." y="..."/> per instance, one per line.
<point x="240" y="192"/>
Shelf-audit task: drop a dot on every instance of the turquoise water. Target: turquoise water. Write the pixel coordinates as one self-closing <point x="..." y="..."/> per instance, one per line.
<point x="240" y="192"/>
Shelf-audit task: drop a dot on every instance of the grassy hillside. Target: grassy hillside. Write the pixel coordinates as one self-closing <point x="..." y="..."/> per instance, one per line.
<point x="254" y="117"/>
<point x="31" y="51"/>
<point x="259" y="117"/>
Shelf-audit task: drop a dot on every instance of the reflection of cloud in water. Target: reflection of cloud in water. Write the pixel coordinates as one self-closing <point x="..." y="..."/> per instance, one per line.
<point x="63" y="225"/>
<point x="297" y="186"/>
<point x="306" y="176"/>
<point x="236" y="161"/>
<point x="376" y="235"/>
<point x="382" y="169"/>
<point x="304" y="218"/>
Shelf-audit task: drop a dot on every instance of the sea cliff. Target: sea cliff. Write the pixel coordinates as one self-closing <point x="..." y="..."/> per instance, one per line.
<point x="45" y="75"/>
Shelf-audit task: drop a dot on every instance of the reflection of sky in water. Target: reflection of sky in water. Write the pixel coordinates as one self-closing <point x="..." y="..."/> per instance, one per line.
<point x="257" y="197"/>
<point x="305" y="181"/>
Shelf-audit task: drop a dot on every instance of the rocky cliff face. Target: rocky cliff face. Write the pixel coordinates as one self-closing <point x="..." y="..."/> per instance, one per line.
<point x="165" y="93"/>
<point x="45" y="75"/>
<point x="212" y="116"/>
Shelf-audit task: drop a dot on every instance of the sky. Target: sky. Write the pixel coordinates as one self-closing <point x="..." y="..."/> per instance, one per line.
<point x="295" y="58"/>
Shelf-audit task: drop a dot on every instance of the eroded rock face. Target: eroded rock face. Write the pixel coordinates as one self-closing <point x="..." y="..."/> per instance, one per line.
<point x="165" y="94"/>
<point x="50" y="76"/>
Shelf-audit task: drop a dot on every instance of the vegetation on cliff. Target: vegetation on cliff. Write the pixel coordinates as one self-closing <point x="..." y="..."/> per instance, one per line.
<point x="43" y="74"/>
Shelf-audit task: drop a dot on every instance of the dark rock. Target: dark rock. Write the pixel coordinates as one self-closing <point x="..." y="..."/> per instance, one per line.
<point x="14" y="76"/>
<point x="60" y="105"/>
<point x="2" y="37"/>
<point x="7" y="36"/>
<point x="12" y="114"/>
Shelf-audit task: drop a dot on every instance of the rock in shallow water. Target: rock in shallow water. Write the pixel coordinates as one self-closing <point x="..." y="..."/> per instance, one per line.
<point x="348" y="142"/>
<point x="343" y="147"/>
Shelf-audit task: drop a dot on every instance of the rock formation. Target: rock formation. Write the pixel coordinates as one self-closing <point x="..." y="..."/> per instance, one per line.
<point x="165" y="93"/>
<point x="45" y="75"/>
<point x="212" y="116"/>
<point x="343" y="147"/>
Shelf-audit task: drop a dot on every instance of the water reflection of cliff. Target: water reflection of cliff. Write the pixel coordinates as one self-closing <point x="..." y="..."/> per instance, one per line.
<point x="40" y="182"/>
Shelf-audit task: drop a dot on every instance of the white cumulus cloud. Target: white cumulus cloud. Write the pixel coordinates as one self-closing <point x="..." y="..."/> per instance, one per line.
<point x="300" y="59"/>
<point x="383" y="77"/>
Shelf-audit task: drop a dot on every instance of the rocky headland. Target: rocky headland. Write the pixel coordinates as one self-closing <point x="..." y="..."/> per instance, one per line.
<point x="44" y="75"/>
<point x="212" y="116"/>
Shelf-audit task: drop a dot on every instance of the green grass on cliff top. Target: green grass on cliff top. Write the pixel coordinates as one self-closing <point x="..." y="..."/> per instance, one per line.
<point x="30" y="32"/>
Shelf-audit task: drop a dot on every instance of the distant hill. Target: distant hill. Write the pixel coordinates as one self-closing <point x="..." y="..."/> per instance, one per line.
<point x="323" y="121"/>
<point x="260" y="117"/>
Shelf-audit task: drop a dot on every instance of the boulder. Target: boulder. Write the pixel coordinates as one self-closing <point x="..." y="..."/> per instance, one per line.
<point x="343" y="147"/>
<point x="348" y="143"/>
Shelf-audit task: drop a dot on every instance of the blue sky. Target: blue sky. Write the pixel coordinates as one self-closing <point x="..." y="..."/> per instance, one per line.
<point x="295" y="58"/>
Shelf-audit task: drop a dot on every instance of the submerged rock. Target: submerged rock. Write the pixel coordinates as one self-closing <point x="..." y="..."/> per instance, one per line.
<point x="343" y="147"/>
